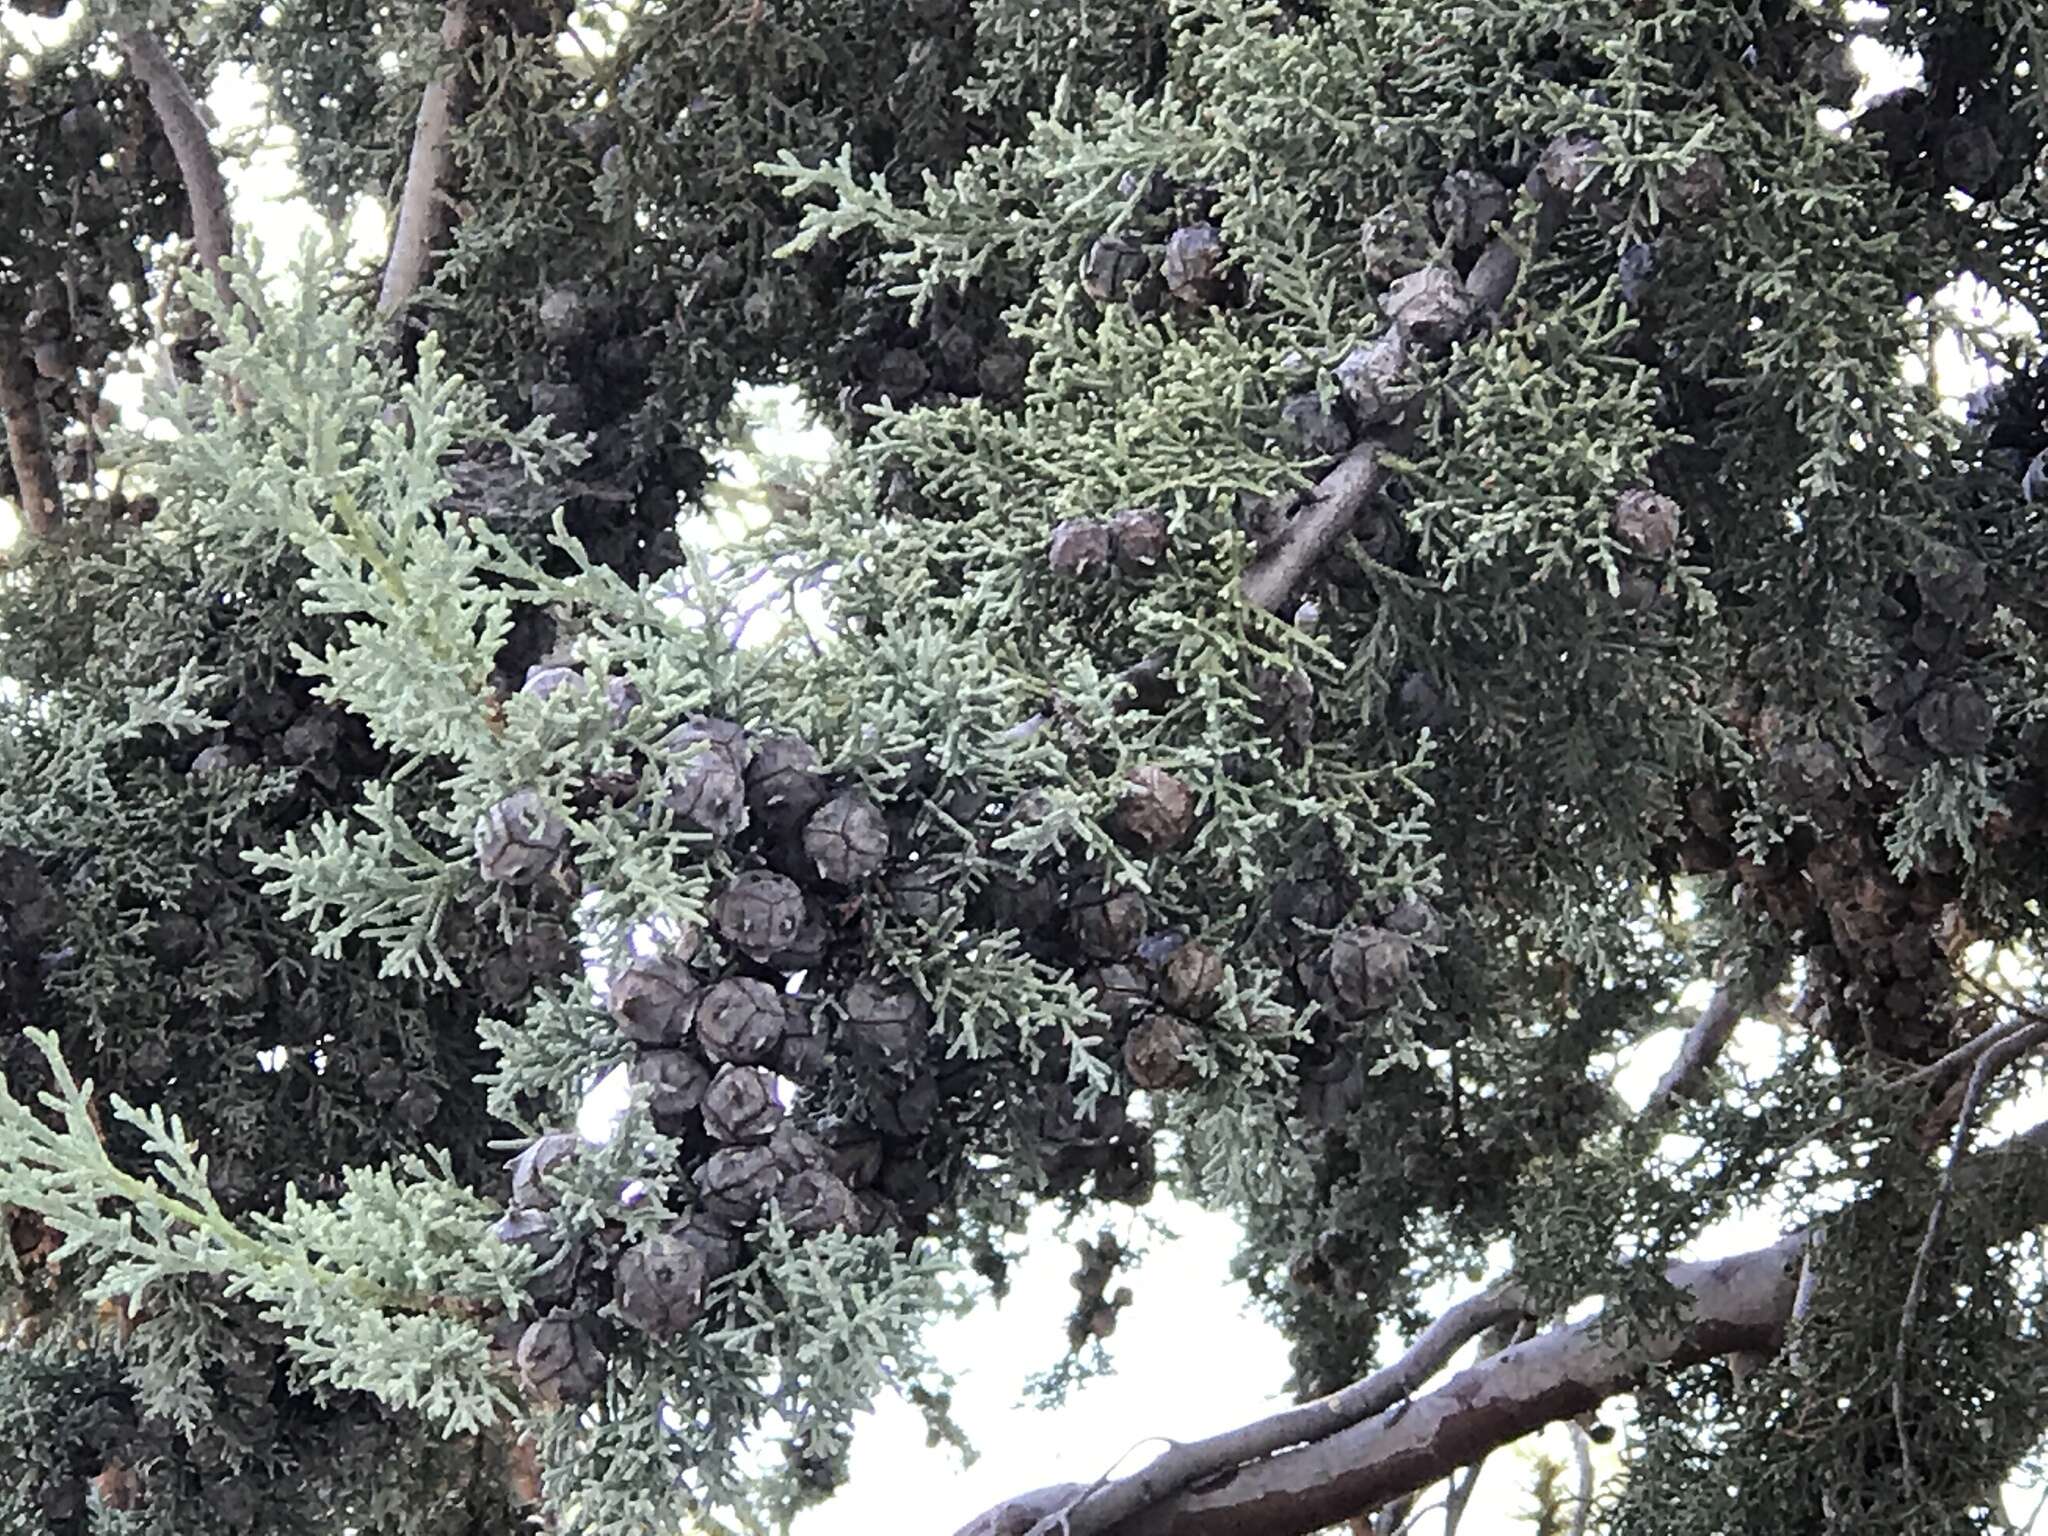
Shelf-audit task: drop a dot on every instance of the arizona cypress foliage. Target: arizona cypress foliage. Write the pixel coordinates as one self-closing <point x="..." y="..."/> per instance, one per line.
<point x="1377" y="556"/>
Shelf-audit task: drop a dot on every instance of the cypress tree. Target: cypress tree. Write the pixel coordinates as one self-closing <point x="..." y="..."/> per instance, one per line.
<point x="1378" y="563"/>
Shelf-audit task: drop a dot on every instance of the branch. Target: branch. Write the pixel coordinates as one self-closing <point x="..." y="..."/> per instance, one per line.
<point x="1988" y="1066"/>
<point x="1582" y="1452"/>
<point x="1738" y="1303"/>
<point x="1702" y="1047"/>
<point x="1385" y="1522"/>
<point x="1013" y="1517"/>
<point x="426" y="207"/>
<point x="177" y="109"/>
<point x="1099" y="1510"/>
<point x="1272" y="580"/>
<point x="28" y="445"/>
<point x="2027" y="1023"/>
<point x="1458" y="1498"/>
<point x="1744" y="1302"/>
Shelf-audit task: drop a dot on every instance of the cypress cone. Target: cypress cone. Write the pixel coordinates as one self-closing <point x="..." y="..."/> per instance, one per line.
<point x="653" y="1000"/>
<point x="783" y="783"/>
<point x="740" y="1105"/>
<point x="885" y="1024"/>
<point x="1191" y="981"/>
<point x="561" y="1358"/>
<point x="741" y="1020"/>
<point x="738" y="1183"/>
<point x="815" y="1201"/>
<point x="1157" y="810"/>
<point x="847" y="839"/>
<point x="531" y="1188"/>
<point x="675" y="1083"/>
<point x="1106" y="923"/>
<point x="1157" y="1054"/>
<point x="759" y="913"/>
<point x="1369" y="966"/>
<point x="661" y="1284"/>
<point x="519" y="839"/>
<point x="1080" y="548"/>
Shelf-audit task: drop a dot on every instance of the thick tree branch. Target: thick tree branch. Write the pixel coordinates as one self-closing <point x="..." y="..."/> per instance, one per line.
<point x="28" y="444"/>
<point x="426" y="208"/>
<point x="177" y="109"/>
<point x="1744" y="1302"/>
<point x="1737" y="1303"/>
<point x="1190" y="1461"/>
<point x="1015" y="1517"/>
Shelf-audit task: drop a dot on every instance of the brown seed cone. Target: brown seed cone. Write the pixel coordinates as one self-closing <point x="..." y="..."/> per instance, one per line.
<point x="816" y="1200"/>
<point x="1646" y="523"/>
<point x="1193" y="269"/>
<point x="561" y="1358"/>
<point x="885" y="1024"/>
<point x="735" y="1184"/>
<point x="661" y="1283"/>
<point x="1121" y="994"/>
<point x="1156" y="811"/>
<point x="1080" y="548"/>
<point x="740" y="1105"/>
<point x="531" y="1185"/>
<point x="519" y="839"/>
<point x="741" y="1020"/>
<point x="783" y="782"/>
<point x="847" y="839"/>
<point x="1369" y="966"/>
<point x="652" y="1001"/>
<point x="1191" y="981"/>
<point x="760" y="913"/>
<point x="1158" y="1053"/>
<point x="709" y="789"/>
<point x="675" y="1083"/>
<point x="1141" y="538"/>
<point x="1107" y="924"/>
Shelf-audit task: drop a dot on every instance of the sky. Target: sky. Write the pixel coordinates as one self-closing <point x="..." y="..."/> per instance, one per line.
<point x="1192" y="1357"/>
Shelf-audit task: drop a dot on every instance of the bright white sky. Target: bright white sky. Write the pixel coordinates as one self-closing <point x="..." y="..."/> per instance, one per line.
<point x="1192" y="1359"/>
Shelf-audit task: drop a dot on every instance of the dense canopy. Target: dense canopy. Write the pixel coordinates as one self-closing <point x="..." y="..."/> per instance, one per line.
<point x="1375" y="559"/>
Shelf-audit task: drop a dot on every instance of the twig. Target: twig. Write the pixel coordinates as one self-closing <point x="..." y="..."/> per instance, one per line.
<point x="1582" y="1452"/>
<point x="1988" y="1066"/>
<point x="1060" y="1520"/>
<point x="1459" y="1497"/>
<point x="184" y="125"/>
<point x="1977" y="985"/>
<point x="1803" y="1298"/>
<point x="28" y="444"/>
<point x="1015" y="1516"/>
<point x="2005" y="1050"/>
<point x="1392" y="1518"/>
<point x="1272" y="580"/>
<point x="425" y="207"/>
<point x="1703" y="1045"/>
<point x="1976" y="1045"/>
<point x="1970" y="1050"/>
